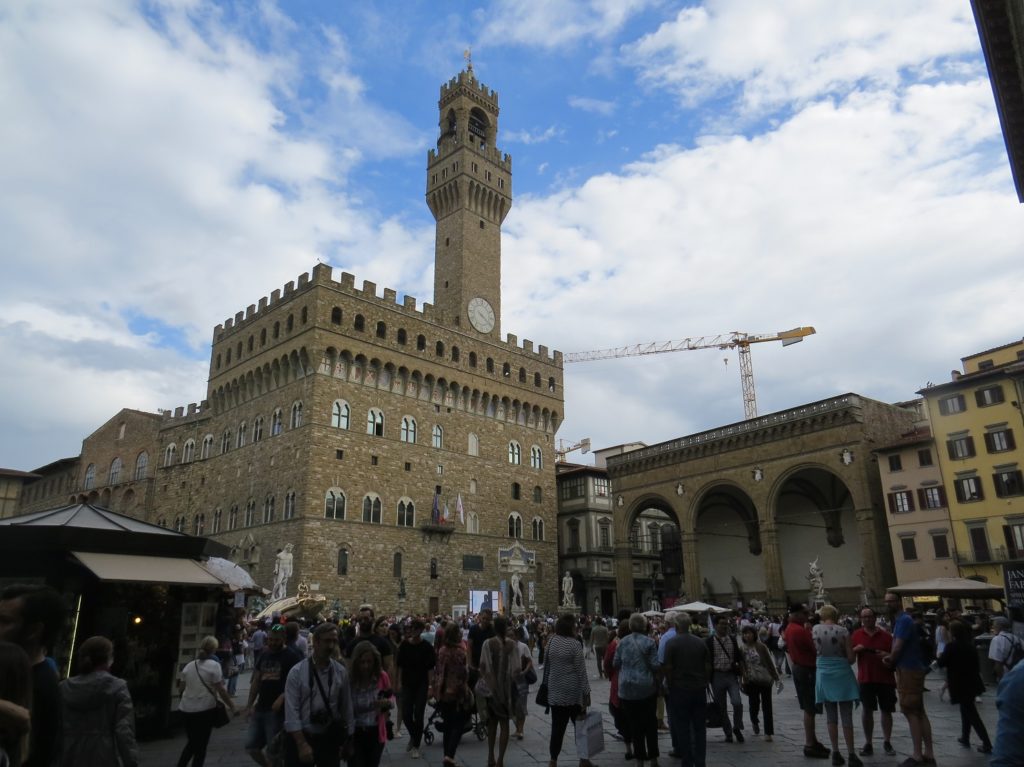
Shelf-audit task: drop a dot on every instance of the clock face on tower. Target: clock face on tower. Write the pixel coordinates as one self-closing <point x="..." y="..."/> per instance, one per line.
<point x="481" y="315"/>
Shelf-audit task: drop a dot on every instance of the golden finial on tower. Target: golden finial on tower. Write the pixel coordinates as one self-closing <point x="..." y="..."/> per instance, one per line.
<point x="468" y="56"/>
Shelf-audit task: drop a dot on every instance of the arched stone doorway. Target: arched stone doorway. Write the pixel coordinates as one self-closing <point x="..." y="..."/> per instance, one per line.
<point x="649" y="555"/>
<point x="814" y="513"/>
<point x="728" y="547"/>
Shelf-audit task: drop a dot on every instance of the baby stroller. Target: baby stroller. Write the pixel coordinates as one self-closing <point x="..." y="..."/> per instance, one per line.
<point x="473" y="724"/>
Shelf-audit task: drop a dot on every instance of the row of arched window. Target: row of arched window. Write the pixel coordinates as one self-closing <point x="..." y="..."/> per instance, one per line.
<point x="116" y="470"/>
<point x="371" y="510"/>
<point x="240" y="437"/>
<point x="236" y="517"/>
<point x="397" y="564"/>
<point x="440" y="351"/>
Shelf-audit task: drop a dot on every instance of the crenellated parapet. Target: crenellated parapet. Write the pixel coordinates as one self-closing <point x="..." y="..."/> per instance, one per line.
<point x="466" y="79"/>
<point x="322" y="277"/>
<point x="184" y="414"/>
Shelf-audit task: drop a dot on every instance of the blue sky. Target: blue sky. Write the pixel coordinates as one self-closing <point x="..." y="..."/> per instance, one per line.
<point x="679" y="169"/>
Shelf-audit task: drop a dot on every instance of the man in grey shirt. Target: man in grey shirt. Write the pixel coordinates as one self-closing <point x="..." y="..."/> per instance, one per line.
<point x="687" y="669"/>
<point x="318" y="705"/>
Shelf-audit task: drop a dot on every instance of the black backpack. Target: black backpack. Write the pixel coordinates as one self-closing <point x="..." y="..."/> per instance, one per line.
<point x="926" y="643"/>
<point x="1015" y="654"/>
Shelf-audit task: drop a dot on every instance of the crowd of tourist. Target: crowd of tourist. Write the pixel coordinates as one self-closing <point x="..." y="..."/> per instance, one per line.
<point x="342" y="689"/>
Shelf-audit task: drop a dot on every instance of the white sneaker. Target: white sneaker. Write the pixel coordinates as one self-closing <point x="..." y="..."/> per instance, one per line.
<point x="414" y="753"/>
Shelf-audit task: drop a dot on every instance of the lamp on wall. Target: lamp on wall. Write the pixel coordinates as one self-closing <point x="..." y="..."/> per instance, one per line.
<point x="618" y="501"/>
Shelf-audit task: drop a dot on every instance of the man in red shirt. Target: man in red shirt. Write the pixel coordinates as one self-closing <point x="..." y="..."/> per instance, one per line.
<point x="803" y="661"/>
<point x="877" y="682"/>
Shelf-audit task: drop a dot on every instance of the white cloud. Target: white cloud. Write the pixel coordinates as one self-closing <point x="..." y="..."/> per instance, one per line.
<point x="556" y="23"/>
<point x="532" y="137"/>
<point x="776" y="54"/>
<point x="598" y="106"/>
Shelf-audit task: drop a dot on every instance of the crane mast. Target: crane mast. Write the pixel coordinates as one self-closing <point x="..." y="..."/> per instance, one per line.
<point x="734" y="340"/>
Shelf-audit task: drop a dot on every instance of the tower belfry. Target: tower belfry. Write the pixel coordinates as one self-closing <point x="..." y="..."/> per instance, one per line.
<point x="469" y="191"/>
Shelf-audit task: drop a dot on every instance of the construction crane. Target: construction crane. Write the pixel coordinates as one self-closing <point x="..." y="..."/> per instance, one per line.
<point x="734" y="340"/>
<point x="564" y="448"/>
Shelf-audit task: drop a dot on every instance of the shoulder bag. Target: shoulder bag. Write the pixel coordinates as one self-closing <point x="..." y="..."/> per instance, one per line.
<point x="542" y="691"/>
<point x="220" y="711"/>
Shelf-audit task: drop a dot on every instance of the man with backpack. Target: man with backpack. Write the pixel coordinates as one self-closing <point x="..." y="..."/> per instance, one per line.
<point x="1006" y="649"/>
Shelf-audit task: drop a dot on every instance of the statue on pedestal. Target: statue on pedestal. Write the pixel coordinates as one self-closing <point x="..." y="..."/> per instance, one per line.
<point x="816" y="578"/>
<point x="568" y="600"/>
<point x="282" y="572"/>
<point x="517" y="590"/>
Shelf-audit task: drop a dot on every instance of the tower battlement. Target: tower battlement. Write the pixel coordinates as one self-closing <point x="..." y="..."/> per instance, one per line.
<point x="322" y="276"/>
<point x="492" y="154"/>
<point x="467" y="79"/>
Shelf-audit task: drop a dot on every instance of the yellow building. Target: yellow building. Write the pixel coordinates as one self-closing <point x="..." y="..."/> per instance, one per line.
<point x="976" y="419"/>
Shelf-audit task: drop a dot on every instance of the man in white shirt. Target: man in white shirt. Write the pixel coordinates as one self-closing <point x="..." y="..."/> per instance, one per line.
<point x="1005" y="645"/>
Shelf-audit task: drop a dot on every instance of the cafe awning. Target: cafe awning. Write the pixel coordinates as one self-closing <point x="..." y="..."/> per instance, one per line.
<point x="140" y="569"/>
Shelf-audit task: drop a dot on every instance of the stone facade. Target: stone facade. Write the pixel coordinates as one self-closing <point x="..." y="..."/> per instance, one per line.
<point x="757" y="501"/>
<point x="336" y="416"/>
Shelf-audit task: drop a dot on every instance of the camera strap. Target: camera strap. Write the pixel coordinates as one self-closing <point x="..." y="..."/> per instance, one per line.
<point x="326" y="696"/>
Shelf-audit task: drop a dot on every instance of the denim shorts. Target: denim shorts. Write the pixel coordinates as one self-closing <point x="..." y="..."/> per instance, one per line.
<point x="263" y="728"/>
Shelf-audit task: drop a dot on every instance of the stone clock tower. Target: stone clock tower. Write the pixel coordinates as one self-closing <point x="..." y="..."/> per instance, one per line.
<point x="469" y="191"/>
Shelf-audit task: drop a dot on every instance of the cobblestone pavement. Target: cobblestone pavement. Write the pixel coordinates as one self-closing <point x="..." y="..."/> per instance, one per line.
<point x="226" y="743"/>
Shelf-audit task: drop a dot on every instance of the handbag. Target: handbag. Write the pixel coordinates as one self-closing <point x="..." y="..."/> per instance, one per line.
<point x="542" y="691"/>
<point x="220" y="716"/>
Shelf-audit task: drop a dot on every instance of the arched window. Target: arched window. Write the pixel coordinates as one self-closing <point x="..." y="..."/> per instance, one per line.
<point x="291" y="322"/>
<point x="334" y="504"/>
<point x="433" y="568"/>
<point x="170" y="453"/>
<point x="506" y="369"/>
<point x="472" y="523"/>
<point x="536" y="458"/>
<point x="490" y="365"/>
<point x="536" y="380"/>
<point x="115" y="471"/>
<point x="375" y="422"/>
<point x="225" y="441"/>
<point x="402" y="337"/>
<point x="474" y="444"/>
<point x="188" y="451"/>
<point x="522" y="375"/>
<point x="233" y="518"/>
<point x="263" y="337"/>
<point x="268" y="509"/>
<point x="408" y="432"/>
<point x="371" y="509"/>
<point x="340" y="412"/>
<point x="277" y="329"/>
<point x="538" y="494"/>
<point x="551" y="384"/>
<point x="296" y="415"/>
<point x="243" y="429"/>
<point x="252" y="342"/>
<point x="396" y="565"/>
<point x="90" y="476"/>
<point x="515" y="525"/>
<point x="179" y="523"/>
<point x="257" y="429"/>
<point x="199" y="524"/>
<point x="207" y="449"/>
<point x="275" y="423"/>
<point x="250" y="513"/>
<point x="406" y="513"/>
<point x="217" y="519"/>
<point x="342" y="561"/>
<point x="654" y="536"/>
<point x="472" y="359"/>
<point x="421" y="343"/>
<point x="455" y="354"/>
<point x="336" y="315"/>
<point x="305" y="315"/>
<point x="574" y="535"/>
<point x="437" y="436"/>
<point x="517" y="491"/>
<point x="538" y="529"/>
<point x="515" y="453"/>
<point x="472" y="487"/>
<point x="382" y="330"/>
<point x="359" y="323"/>
<point x="439" y="349"/>
<point x="289" y="505"/>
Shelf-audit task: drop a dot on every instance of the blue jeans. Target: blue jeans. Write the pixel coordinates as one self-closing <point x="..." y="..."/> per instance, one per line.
<point x="687" y="718"/>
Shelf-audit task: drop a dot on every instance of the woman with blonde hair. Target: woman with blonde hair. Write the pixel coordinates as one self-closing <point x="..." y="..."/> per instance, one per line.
<point x="96" y="709"/>
<point x="835" y="684"/>
<point x="201" y="683"/>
